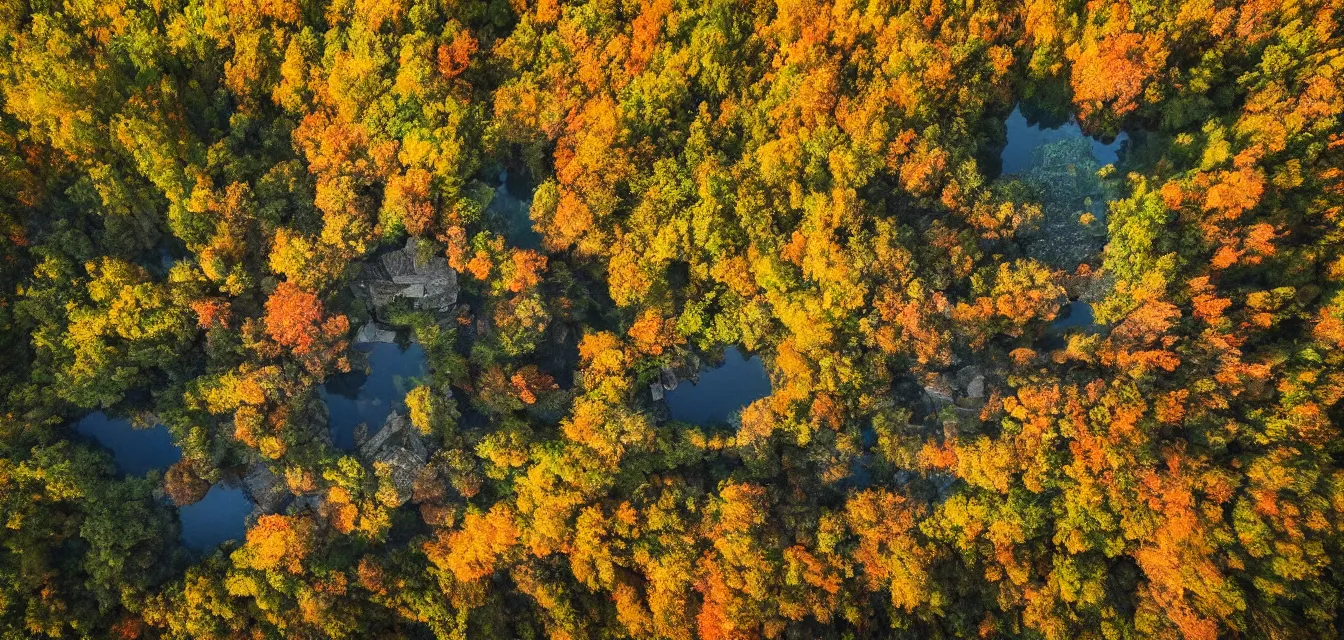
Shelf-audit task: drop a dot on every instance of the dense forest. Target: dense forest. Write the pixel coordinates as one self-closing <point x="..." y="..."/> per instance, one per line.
<point x="453" y="305"/>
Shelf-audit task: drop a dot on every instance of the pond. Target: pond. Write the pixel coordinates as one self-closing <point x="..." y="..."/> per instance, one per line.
<point x="136" y="451"/>
<point x="1025" y="139"/>
<point x="1061" y="166"/>
<point x="721" y="391"/>
<point x="221" y="515"/>
<point x="368" y="397"/>
<point x="1074" y="314"/>
<point x="514" y="211"/>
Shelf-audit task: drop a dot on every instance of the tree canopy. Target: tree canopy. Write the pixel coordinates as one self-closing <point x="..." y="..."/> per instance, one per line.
<point x="206" y="206"/>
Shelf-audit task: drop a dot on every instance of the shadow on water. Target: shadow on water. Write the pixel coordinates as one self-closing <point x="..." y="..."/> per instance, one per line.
<point x="136" y="451"/>
<point x="221" y="515"/>
<point x="721" y="391"/>
<point x="369" y="397"/>
<point x="860" y="471"/>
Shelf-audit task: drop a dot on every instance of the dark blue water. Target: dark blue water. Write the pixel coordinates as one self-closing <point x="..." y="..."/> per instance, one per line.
<point x="136" y="451"/>
<point x="221" y="515"/>
<point x="357" y="397"/>
<point x="722" y="391"/>
<point x="1023" y="140"/>
<point x="1074" y="314"/>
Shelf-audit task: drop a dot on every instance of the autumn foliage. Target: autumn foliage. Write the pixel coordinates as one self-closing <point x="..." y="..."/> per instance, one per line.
<point x="1048" y="296"/>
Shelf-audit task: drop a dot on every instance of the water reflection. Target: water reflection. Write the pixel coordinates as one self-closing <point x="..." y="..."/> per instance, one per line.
<point x="136" y="451"/>
<point x="369" y="397"/>
<point x="721" y="391"/>
<point x="512" y="203"/>
<point x="1025" y="139"/>
<point x="221" y="515"/>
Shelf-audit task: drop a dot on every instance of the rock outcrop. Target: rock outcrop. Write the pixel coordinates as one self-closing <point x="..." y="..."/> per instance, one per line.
<point x="266" y="489"/>
<point x="975" y="389"/>
<point x="971" y="387"/>
<point x="669" y="378"/>
<point x="375" y="332"/>
<point x="429" y="284"/>
<point x="940" y="391"/>
<point x="398" y="445"/>
<point x="318" y="419"/>
<point x="964" y="392"/>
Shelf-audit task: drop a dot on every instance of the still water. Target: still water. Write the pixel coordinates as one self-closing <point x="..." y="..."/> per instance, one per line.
<point x="1062" y="166"/>
<point x="1074" y="314"/>
<point x="136" y="451"/>
<point x="1024" y="139"/>
<point x="357" y="397"/>
<point x="512" y="203"/>
<point x="221" y="515"/>
<point x="722" y="391"/>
